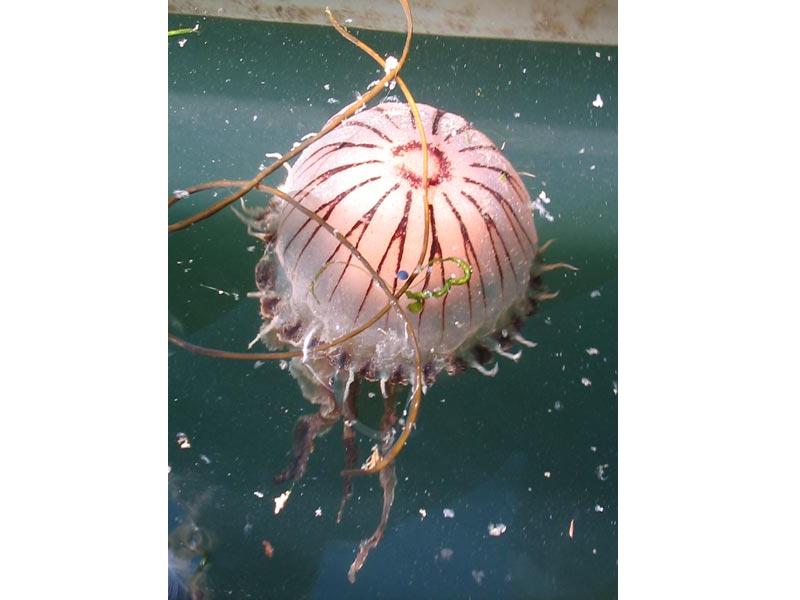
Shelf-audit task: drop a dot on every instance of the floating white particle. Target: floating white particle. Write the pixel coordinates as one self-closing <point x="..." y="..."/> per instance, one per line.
<point x="255" y="118"/>
<point x="593" y="448"/>
<point x="333" y="101"/>
<point x="478" y="576"/>
<point x="326" y="87"/>
<point x="524" y="70"/>
<point x="594" y="550"/>
<point x="547" y="474"/>
<point x="182" y="42"/>
<point x="597" y="102"/>
<point x="516" y="115"/>
<point x="597" y="54"/>
<point x="582" y="150"/>
<point x="390" y="65"/>
<point x="205" y="459"/>
<point x="598" y="508"/>
<point x="423" y="513"/>
<point x="318" y="512"/>
<point x="586" y="381"/>
<point x="258" y="494"/>
<point x="557" y="405"/>
<point x="227" y="122"/>
<point x="600" y="471"/>
<point x="446" y="553"/>
<point x="251" y="248"/>
<point x="497" y="530"/>
<point x="594" y="294"/>
<point x="180" y="194"/>
<point x="169" y="469"/>
<point x="571" y="528"/>
<point x="592" y="351"/>
<point x="280" y="501"/>
<point x="183" y="441"/>
<point x="592" y="168"/>
<point x="448" y="513"/>
<point x="258" y="364"/>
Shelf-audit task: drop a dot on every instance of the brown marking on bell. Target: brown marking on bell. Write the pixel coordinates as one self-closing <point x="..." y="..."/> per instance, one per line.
<point x="368" y="371"/>
<point x="531" y="308"/>
<point x="536" y="283"/>
<point x="482" y="354"/>
<point x="342" y="359"/>
<point x="456" y="365"/>
<point x="269" y="306"/>
<point x="429" y="372"/>
<point x="398" y="376"/>
<point x="293" y="333"/>
<point x="501" y="337"/>
<point x="265" y="274"/>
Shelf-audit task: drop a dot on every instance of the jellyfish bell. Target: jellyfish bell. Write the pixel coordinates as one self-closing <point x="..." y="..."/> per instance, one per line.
<point x="470" y="271"/>
<point x="364" y="179"/>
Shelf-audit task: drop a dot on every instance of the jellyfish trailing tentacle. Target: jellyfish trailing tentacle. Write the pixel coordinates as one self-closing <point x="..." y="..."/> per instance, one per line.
<point x="388" y="481"/>
<point x="308" y="427"/>
<point x="349" y="417"/>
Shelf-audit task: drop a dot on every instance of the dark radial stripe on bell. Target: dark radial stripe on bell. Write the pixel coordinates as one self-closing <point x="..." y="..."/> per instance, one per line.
<point x="508" y="210"/>
<point x="436" y="118"/>
<point x="303" y="192"/>
<point x="469" y="249"/>
<point x="374" y="130"/>
<point x="334" y="203"/>
<point x="307" y="163"/>
<point x="458" y="131"/>
<point x="399" y="233"/>
<point x="491" y="226"/>
<point x="480" y="147"/>
<point x="363" y="222"/>
<point x="505" y="174"/>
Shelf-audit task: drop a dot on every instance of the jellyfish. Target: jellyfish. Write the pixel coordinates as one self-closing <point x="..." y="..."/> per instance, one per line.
<point x="400" y="247"/>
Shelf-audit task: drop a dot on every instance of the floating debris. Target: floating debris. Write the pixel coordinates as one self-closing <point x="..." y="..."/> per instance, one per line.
<point x="205" y="459"/>
<point x="598" y="508"/>
<point x="258" y="494"/>
<point x="268" y="549"/>
<point x="497" y="530"/>
<point x="478" y="576"/>
<point x="446" y="553"/>
<point x="547" y="474"/>
<point x="448" y="513"/>
<point x="571" y="528"/>
<point x="586" y="381"/>
<point x="281" y="500"/>
<point x="595" y="294"/>
<point x="183" y="441"/>
<point x="600" y="471"/>
<point x="423" y="513"/>
<point x="318" y="512"/>
<point x="592" y="351"/>
<point x="597" y="102"/>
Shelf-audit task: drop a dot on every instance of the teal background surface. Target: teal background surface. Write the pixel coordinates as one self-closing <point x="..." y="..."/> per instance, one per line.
<point x="483" y="446"/>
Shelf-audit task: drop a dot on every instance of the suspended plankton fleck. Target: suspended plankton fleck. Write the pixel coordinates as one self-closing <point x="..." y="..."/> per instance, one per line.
<point x="497" y="530"/>
<point x="597" y="102"/>
<point x="280" y="501"/>
<point x="448" y="513"/>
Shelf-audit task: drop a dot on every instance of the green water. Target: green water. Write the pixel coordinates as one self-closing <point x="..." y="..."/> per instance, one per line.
<point x="238" y="90"/>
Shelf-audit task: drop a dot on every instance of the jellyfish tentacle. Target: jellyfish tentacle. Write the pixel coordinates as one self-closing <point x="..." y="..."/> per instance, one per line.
<point x="388" y="481"/>
<point x="349" y="414"/>
<point x="308" y="427"/>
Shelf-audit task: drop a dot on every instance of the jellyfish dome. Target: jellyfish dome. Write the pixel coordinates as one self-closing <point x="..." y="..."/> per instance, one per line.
<point x="365" y="180"/>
